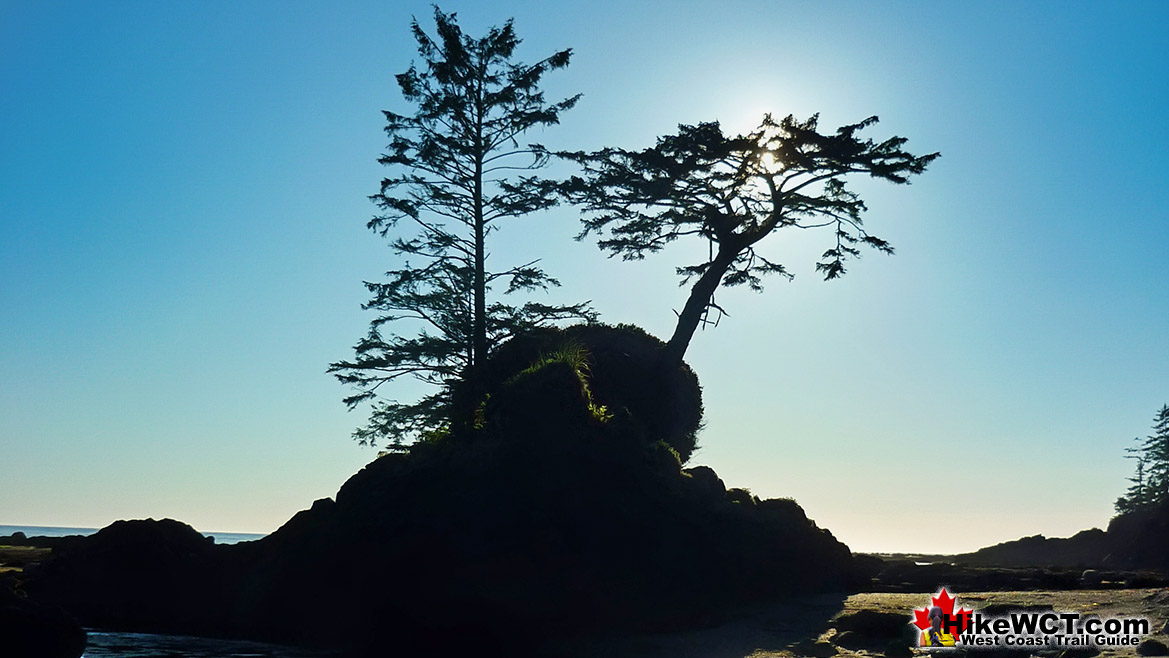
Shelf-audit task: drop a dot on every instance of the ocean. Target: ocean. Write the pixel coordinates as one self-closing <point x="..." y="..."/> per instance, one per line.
<point x="146" y="645"/>
<point x="59" y="531"/>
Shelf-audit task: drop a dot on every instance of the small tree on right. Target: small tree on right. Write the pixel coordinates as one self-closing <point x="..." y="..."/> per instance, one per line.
<point x="1156" y="448"/>
<point x="1137" y="495"/>
<point x="1150" y="483"/>
<point x="734" y="192"/>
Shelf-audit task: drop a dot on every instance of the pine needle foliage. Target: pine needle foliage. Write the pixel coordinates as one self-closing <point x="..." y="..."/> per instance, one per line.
<point x="458" y="168"/>
<point x="734" y="191"/>
<point x="1150" y="481"/>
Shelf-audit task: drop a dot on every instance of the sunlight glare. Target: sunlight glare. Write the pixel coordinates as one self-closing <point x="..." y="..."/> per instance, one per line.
<point x="769" y="164"/>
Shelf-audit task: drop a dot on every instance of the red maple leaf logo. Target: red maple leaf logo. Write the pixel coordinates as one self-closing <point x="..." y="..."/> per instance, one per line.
<point x="943" y="600"/>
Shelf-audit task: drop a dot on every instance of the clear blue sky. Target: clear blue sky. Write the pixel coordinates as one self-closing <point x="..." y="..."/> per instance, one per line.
<point x="182" y="204"/>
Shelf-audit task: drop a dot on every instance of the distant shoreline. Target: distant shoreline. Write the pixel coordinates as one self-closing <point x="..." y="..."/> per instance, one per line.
<point x="64" y="531"/>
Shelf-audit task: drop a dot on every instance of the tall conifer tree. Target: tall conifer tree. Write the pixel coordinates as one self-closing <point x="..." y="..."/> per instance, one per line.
<point x="458" y="169"/>
<point x="1156" y="453"/>
<point x="1150" y="483"/>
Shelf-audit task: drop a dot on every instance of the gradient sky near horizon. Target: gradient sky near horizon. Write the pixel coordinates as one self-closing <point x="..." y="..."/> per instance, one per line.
<point x="183" y="193"/>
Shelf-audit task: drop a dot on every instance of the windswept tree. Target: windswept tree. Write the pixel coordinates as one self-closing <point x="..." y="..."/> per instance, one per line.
<point x="1150" y="482"/>
<point x="734" y="191"/>
<point x="458" y="168"/>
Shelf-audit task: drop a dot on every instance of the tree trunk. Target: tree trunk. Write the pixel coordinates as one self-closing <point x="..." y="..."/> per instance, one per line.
<point x="479" y="320"/>
<point x="696" y="304"/>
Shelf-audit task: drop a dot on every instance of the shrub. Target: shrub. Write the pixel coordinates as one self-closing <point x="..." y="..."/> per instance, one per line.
<point x="622" y="377"/>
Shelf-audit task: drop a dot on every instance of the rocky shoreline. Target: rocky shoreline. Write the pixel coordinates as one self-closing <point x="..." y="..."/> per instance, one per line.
<point x="874" y="625"/>
<point x="561" y="509"/>
<point x="163" y="577"/>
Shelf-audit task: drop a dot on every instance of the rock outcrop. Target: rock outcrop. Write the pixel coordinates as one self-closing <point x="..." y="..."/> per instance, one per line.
<point x="1137" y="540"/>
<point x="561" y="507"/>
<point x="34" y="630"/>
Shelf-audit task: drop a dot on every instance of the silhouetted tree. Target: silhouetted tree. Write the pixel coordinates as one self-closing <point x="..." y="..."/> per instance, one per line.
<point x="734" y="192"/>
<point x="1150" y="483"/>
<point x="1137" y="495"/>
<point x="458" y="169"/>
<point x="1157" y="454"/>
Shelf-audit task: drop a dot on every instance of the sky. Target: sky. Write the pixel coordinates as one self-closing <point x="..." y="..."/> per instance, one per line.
<point x="183" y="198"/>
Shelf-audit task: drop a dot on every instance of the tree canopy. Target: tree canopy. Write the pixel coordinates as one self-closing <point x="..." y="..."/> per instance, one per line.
<point x="734" y="191"/>
<point x="1150" y="481"/>
<point x="458" y="168"/>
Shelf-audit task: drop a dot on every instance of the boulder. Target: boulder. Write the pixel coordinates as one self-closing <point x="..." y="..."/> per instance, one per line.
<point x="560" y="508"/>
<point x="546" y="517"/>
<point x="706" y="481"/>
<point x="138" y="575"/>
<point x="623" y="370"/>
<point x="1152" y="648"/>
<point x="874" y="625"/>
<point x="31" y="630"/>
<point x="850" y="640"/>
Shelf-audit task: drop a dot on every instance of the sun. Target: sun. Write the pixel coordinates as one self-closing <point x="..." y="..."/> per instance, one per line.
<point x="769" y="164"/>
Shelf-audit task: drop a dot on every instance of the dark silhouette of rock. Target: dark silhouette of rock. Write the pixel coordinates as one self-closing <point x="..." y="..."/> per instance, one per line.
<point x="1085" y="549"/>
<point x="706" y="481"/>
<point x="897" y="649"/>
<point x="1136" y="540"/>
<point x="1152" y="648"/>
<point x="549" y="517"/>
<point x="872" y="624"/>
<point x="741" y="496"/>
<point x="654" y="399"/>
<point x="38" y="541"/>
<point x="32" y="630"/>
<point x="907" y="575"/>
<point x="560" y="510"/>
<point x="867" y="570"/>
<point x="140" y="575"/>
<point x="1140" y="539"/>
<point x="873" y="630"/>
<point x="851" y="640"/>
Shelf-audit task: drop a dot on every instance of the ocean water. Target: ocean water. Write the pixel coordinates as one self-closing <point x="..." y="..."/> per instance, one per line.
<point x="147" y="645"/>
<point x="58" y="531"/>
